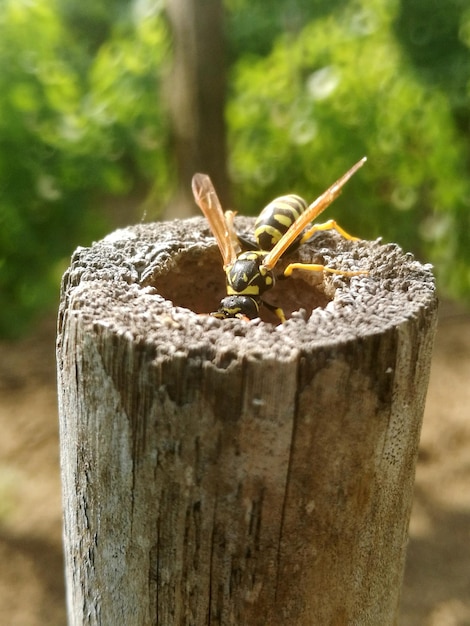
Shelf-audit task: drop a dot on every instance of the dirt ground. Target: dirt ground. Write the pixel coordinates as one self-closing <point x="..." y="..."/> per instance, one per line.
<point x="437" y="582"/>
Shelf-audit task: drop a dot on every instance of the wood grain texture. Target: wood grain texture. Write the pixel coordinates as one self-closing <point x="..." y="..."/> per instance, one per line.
<point x="232" y="473"/>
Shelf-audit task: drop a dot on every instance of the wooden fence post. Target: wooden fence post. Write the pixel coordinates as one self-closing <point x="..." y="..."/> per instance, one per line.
<point x="233" y="473"/>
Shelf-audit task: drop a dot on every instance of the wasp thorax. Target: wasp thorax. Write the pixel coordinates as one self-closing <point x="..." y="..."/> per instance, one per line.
<point x="248" y="276"/>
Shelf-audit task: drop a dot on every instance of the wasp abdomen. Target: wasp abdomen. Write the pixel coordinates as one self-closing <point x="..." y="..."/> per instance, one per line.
<point x="276" y="218"/>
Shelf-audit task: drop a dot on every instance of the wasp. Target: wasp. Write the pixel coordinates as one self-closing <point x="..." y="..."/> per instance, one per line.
<point x="280" y="228"/>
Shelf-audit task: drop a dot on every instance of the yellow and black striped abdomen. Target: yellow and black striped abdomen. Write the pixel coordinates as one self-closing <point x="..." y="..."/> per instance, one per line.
<point x="276" y="218"/>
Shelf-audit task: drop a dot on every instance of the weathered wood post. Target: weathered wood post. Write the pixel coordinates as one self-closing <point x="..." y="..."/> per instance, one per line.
<point x="234" y="473"/>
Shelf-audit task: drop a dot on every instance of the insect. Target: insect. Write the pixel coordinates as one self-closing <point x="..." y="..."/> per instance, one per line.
<point x="280" y="228"/>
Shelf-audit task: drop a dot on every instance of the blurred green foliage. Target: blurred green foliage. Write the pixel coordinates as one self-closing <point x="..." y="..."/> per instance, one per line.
<point x="313" y="87"/>
<point x="342" y="88"/>
<point x="77" y="121"/>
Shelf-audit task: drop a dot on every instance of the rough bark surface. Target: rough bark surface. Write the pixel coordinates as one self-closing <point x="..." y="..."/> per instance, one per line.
<point x="233" y="473"/>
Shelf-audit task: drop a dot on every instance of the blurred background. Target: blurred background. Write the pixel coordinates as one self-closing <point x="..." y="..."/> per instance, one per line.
<point x="108" y="107"/>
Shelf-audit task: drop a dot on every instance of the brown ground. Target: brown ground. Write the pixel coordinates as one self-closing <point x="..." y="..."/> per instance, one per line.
<point x="437" y="584"/>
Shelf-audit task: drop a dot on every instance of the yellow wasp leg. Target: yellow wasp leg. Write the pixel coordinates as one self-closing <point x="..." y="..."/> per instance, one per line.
<point x="280" y="313"/>
<point x="314" y="267"/>
<point x="276" y="310"/>
<point x="329" y="225"/>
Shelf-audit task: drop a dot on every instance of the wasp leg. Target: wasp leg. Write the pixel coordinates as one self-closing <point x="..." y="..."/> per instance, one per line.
<point x="329" y="225"/>
<point x="314" y="267"/>
<point x="276" y="310"/>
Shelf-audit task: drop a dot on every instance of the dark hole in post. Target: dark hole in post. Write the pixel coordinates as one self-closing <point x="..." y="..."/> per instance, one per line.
<point x="196" y="281"/>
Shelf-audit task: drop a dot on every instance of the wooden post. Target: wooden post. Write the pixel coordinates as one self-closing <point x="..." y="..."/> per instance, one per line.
<point x="195" y="95"/>
<point x="233" y="473"/>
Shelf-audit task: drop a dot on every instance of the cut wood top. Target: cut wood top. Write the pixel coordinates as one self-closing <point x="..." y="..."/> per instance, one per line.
<point x="156" y="282"/>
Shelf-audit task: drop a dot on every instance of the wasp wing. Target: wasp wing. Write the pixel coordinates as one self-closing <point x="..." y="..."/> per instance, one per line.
<point x="319" y="205"/>
<point x="209" y="203"/>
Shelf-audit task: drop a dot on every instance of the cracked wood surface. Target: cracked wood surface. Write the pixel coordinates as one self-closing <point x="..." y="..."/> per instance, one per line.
<point x="231" y="473"/>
